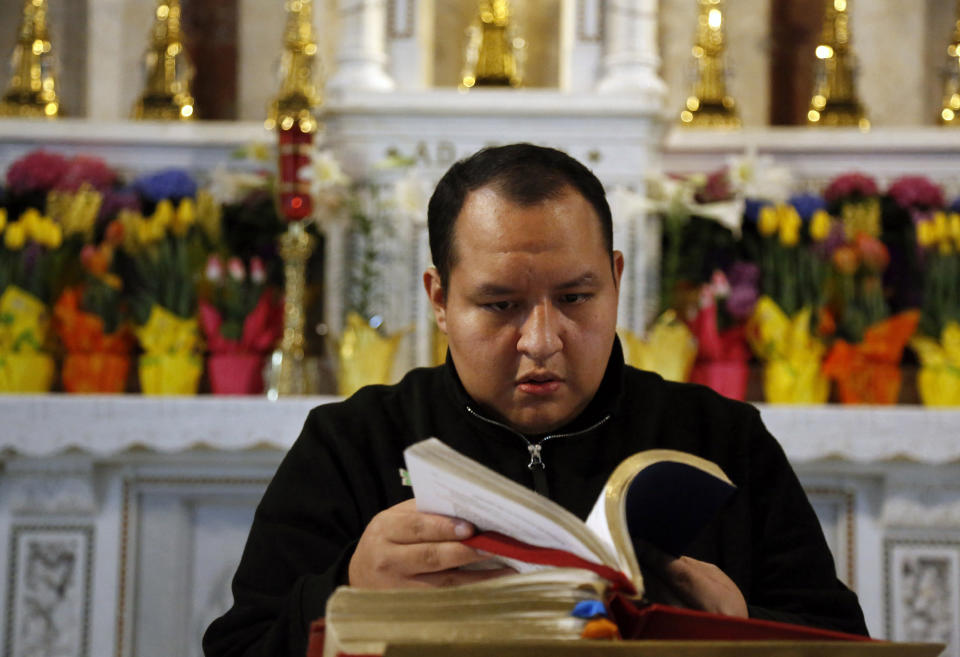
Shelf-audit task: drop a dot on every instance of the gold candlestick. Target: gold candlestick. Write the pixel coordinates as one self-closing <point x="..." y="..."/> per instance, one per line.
<point x="166" y="95"/>
<point x="710" y="106"/>
<point x="950" y="106"/>
<point x="296" y="245"/>
<point x="835" y="101"/>
<point x="491" y="60"/>
<point x="298" y="90"/>
<point x="33" y="87"/>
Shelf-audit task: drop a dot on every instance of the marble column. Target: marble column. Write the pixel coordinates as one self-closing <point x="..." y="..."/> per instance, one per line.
<point x="361" y="53"/>
<point x="630" y="58"/>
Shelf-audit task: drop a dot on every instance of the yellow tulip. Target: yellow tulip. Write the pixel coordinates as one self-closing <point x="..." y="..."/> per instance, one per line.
<point x="941" y="227"/>
<point x="769" y="220"/>
<point x="926" y="234"/>
<point x="789" y="225"/>
<point x="15" y="236"/>
<point x="820" y="225"/>
<point x="164" y="213"/>
<point x="185" y="218"/>
<point x="142" y="230"/>
<point x="3" y="218"/>
<point x="54" y="235"/>
<point x="954" y="225"/>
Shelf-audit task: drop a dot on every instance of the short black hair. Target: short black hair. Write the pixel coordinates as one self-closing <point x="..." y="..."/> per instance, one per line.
<point x="524" y="174"/>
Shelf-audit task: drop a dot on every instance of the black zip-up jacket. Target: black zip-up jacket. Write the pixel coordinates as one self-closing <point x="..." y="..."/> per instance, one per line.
<point x="344" y="469"/>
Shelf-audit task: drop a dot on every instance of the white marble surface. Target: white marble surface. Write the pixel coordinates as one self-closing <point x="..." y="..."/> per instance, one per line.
<point x="47" y="425"/>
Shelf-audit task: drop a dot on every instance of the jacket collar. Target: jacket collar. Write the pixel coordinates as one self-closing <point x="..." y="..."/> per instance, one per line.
<point x="606" y="401"/>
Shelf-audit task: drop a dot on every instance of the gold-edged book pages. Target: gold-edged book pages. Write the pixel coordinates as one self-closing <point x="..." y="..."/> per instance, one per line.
<point x="585" y="648"/>
<point x="515" y="607"/>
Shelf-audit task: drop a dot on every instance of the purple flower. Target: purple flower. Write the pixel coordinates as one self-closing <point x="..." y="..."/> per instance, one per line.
<point x="121" y="199"/>
<point x="850" y="186"/>
<point x="37" y="171"/>
<point x="916" y="192"/>
<point x="744" y="273"/>
<point x="807" y="204"/>
<point x="955" y="206"/>
<point x="835" y="239"/>
<point x="744" y="278"/>
<point x="173" y="184"/>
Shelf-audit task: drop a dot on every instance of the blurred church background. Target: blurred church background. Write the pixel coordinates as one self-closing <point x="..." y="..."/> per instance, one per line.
<point x="122" y="517"/>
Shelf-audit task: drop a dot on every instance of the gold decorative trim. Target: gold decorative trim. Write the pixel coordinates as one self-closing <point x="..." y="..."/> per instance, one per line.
<point x="848" y="498"/>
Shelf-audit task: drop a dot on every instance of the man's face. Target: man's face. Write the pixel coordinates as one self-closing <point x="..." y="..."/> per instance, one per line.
<point x="531" y="307"/>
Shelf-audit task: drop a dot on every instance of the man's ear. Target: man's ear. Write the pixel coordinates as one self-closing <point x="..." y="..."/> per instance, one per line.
<point x="431" y="283"/>
<point x="617" y="268"/>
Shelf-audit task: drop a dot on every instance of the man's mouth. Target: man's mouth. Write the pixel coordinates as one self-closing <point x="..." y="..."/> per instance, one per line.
<point x="539" y="383"/>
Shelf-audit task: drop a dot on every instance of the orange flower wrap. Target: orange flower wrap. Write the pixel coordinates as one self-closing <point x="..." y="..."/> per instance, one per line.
<point x="869" y="372"/>
<point x="96" y="362"/>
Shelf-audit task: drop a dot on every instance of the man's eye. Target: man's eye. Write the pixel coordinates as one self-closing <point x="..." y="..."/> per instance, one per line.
<point x="499" y="306"/>
<point x="574" y="298"/>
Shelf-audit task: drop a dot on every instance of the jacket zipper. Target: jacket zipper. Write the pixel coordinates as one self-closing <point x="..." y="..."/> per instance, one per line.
<point x="535" y="449"/>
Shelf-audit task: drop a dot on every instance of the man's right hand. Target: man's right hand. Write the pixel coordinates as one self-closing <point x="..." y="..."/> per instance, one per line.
<point x="403" y="548"/>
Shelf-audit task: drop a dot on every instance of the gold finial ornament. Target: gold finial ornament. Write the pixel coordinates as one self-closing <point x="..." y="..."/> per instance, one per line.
<point x="298" y="94"/>
<point x="710" y="106"/>
<point x="835" y="101"/>
<point x="491" y="59"/>
<point x="166" y="95"/>
<point x="950" y="107"/>
<point x="33" y="87"/>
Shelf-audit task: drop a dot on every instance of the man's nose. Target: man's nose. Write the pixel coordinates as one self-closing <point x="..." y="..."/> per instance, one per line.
<point x="540" y="333"/>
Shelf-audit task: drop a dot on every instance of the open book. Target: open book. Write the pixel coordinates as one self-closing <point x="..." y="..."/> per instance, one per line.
<point x="662" y="497"/>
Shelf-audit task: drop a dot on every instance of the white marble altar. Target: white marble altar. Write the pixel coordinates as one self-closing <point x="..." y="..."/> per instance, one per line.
<point x="140" y="508"/>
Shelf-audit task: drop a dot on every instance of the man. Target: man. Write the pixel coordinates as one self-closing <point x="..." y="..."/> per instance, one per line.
<point x="525" y="286"/>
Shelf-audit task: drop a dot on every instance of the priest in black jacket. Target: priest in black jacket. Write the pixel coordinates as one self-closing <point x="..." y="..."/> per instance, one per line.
<point x="525" y="286"/>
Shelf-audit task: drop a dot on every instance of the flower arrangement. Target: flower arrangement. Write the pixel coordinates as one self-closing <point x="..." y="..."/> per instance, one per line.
<point x="91" y="323"/>
<point x="938" y="345"/>
<point x="241" y="319"/>
<point x="784" y="329"/>
<point x="726" y="302"/>
<point x="864" y="358"/>
<point x="162" y="253"/>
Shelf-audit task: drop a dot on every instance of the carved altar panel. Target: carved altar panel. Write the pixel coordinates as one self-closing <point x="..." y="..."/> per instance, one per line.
<point x="48" y="601"/>
<point x="184" y="538"/>
<point x="923" y="594"/>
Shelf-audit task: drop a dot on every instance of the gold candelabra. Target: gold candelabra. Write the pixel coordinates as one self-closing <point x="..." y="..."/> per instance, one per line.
<point x="166" y="95"/>
<point x="296" y="245"/>
<point x="950" y="106"/>
<point x="835" y="101"/>
<point x="33" y="87"/>
<point x="298" y="93"/>
<point x="291" y="114"/>
<point x="491" y="57"/>
<point x="710" y="106"/>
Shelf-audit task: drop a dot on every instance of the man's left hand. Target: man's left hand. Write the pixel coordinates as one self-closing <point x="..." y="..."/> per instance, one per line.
<point x="693" y="584"/>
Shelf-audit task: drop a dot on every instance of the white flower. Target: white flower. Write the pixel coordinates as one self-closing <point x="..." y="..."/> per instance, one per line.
<point x="228" y="186"/>
<point x="324" y="171"/>
<point x="412" y="194"/>
<point x="759" y="178"/>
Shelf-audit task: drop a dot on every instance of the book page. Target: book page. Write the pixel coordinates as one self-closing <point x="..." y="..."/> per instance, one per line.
<point x="448" y="483"/>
